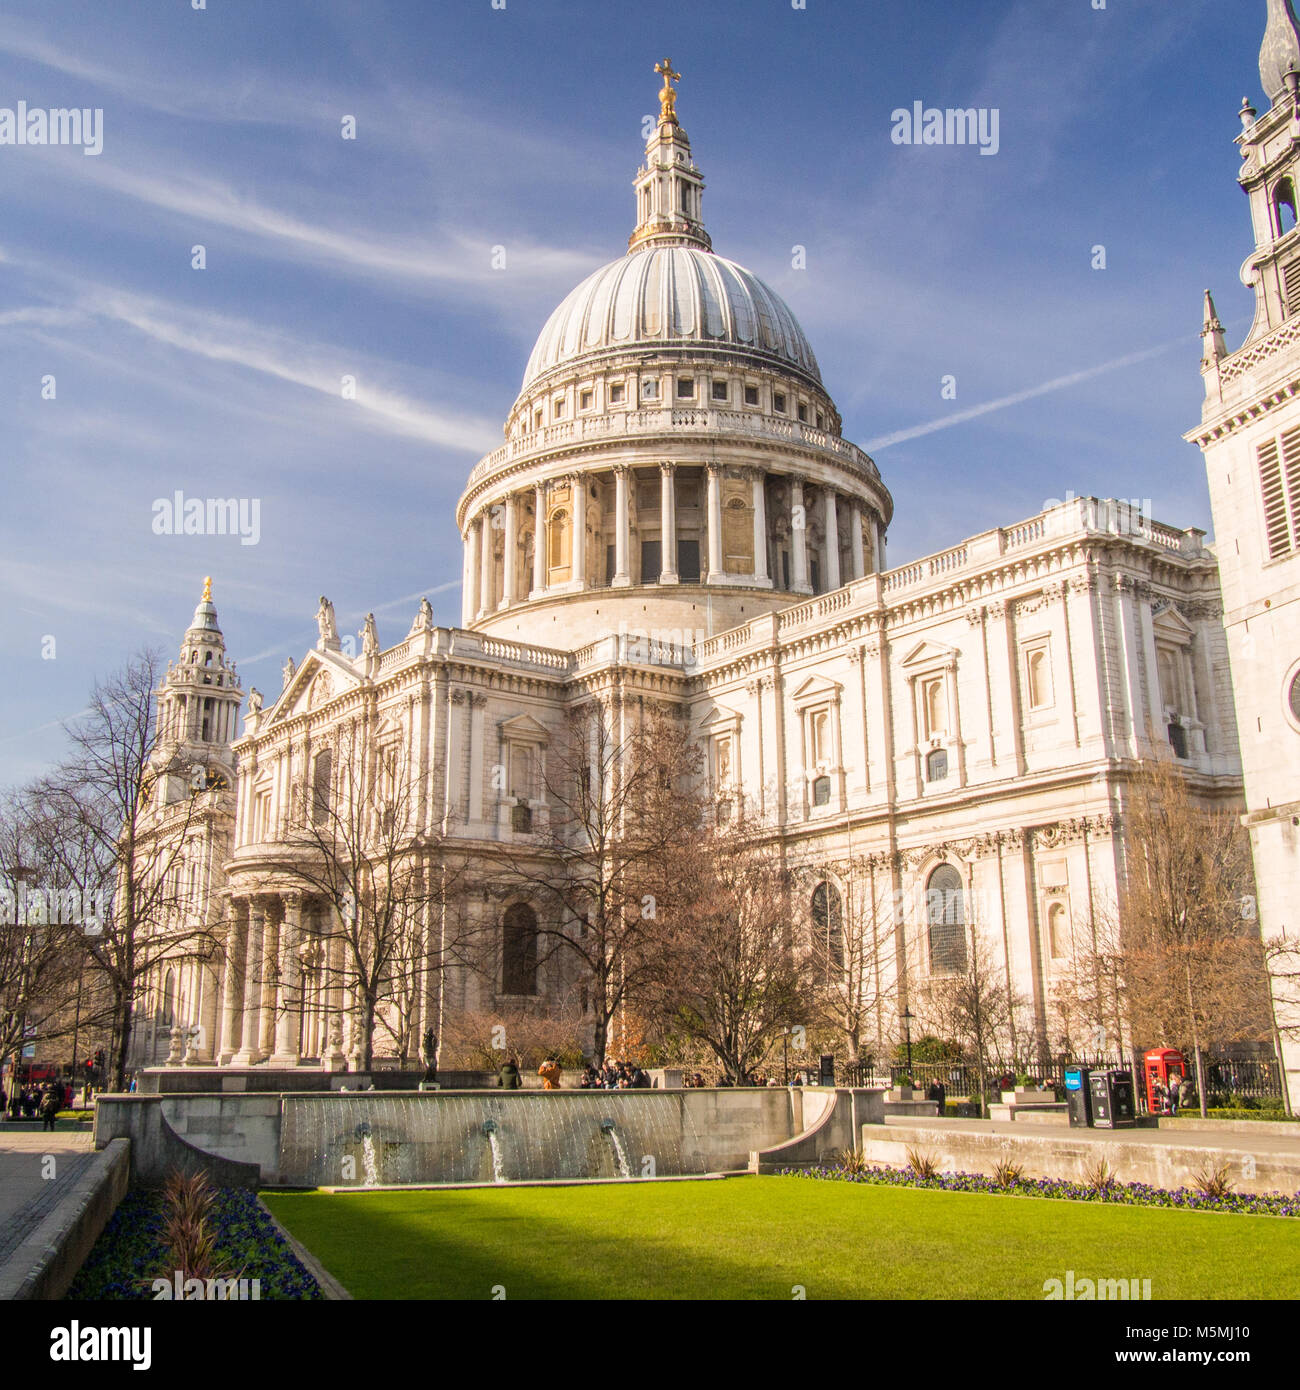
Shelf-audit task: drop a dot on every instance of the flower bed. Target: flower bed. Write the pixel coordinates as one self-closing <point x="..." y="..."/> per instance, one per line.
<point x="132" y="1250"/>
<point x="1133" y="1194"/>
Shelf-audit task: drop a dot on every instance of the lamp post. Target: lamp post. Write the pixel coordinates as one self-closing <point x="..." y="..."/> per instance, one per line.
<point x="908" y="1016"/>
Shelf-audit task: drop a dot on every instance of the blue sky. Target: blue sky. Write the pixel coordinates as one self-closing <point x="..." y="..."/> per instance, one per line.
<point x="478" y="127"/>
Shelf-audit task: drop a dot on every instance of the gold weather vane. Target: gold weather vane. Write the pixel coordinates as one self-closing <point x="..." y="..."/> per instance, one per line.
<point x="207" y="588"/>
<point x="667" y="97"/>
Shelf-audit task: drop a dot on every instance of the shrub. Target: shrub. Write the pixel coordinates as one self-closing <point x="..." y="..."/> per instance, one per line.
<point x="1006" y="1173"/>
<point x="1099" y="1176"/>
<point x="922" y="1164"/>
<point x="853" y="1162"/>
<point x="1213" y="1182"/>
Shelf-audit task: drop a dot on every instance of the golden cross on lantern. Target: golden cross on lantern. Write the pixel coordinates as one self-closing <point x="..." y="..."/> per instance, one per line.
<point x="666" y="94"/>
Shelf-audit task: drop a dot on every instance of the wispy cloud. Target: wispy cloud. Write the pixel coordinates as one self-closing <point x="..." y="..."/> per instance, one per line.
<point x="1060" y="383"/>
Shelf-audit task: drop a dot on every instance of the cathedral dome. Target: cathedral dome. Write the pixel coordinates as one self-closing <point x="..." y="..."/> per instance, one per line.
<point x="671" y="296"/>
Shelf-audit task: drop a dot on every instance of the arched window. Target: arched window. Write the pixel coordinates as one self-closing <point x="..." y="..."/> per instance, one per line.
<point x="169" y="1000"/>
<point x="945" y="910"/>
<point x="558" y="536"/>
<point x="1284" y="206"/>
<point x="519" y="950"/>
<point x="1057" y="934"/>
<point x="1038" y="679"/>
<point x="828" y="924"/>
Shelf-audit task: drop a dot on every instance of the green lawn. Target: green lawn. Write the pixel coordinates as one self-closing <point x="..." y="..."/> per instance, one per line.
<point x="763" y="1237"/>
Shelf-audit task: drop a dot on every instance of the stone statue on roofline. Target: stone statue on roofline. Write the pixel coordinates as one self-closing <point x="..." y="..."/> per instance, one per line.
<point x="325" y="622"/>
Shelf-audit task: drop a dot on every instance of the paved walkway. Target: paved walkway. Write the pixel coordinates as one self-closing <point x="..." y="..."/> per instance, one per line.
<point x="29" y="1190"/>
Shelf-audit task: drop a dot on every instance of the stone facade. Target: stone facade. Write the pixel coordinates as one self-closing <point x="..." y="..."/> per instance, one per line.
<point x="968" y="721"/>
<point x="1250" y="438"/>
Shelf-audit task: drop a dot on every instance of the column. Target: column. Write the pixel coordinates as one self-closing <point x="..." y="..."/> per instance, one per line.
<point x="799" y="535"/>
<point x="855" y="537"/>
<point x="236" y="945"/>
<point x="270" y="978"/>
<point x="878" y="549"/>
<point x="831" y="517"/>
<point x="622" y="537"/>
<point x="469" y="586"/>
<point x="512" y="542"/>
<point x="715" y="573"/>
<point x="578" y="551"/>
<point x="760" y="528"/>
<point x="485" y="562"/>
<point x="539" y="538"/>
<point x="288" y="1029"/>
<point x="252" y="993"/>
<point x="668" y="524"/>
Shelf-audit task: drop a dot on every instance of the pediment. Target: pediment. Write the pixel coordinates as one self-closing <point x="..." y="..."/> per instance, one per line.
<point x="816" y="687"/>
<point x="321" y="677"/>
<point x="929" y="654"/>
<point x="1172" y="626"/>
<point x="525" y="727"/>
<point x="720" y="717"/>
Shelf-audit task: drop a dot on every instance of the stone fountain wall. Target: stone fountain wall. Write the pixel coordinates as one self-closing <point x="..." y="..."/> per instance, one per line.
<point x="368" y="1137"/>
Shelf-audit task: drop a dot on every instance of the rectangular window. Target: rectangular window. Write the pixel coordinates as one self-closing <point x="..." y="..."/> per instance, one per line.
<point x="688" y="561"/>
<point x="651" y="564"/>
<point x="685" y="387"/>
<point x="778" y="402"/>
<point x="1291" y="287"/>
<point x="537" y="420"/>
<point x="719" y="390"/>
<point x="803" y="411"/>
<point x="559" y="406"/>
<point x="649" y="390"/>
<point x="616" y="393"/>
<point x="1279" y="479"/>
<point x="751" y="395"/>
<point x="585" y="400"/>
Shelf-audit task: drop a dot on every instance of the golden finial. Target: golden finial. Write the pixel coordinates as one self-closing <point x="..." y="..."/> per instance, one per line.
<point x="207" y="588"/>
<point x="667" y="97"/>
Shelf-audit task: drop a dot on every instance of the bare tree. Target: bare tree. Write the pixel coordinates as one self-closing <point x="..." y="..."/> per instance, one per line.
<point x="355" y="845"/>
<point x="42" y="920"/>
<point x="732" y="977"/>
<point x="111" y="841"/>
<point x="971" y="1005"/>
<point x="608" y="868"/>
<point x="851" y="945"/>
<point x="1193" y="961"/>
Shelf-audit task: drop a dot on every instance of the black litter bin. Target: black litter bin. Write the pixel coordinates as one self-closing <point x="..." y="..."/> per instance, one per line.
<point x="1079" y="1097"/>
<point x="827" y="1069"/>
<point x="1112" y="1099"/>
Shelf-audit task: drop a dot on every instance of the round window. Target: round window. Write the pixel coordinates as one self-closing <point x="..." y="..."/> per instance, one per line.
<point x="1293" y="697"/>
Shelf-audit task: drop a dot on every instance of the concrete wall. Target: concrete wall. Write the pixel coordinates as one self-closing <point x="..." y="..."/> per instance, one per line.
<point x="304" y="1138"/>
<point x="1168" y="1163"/>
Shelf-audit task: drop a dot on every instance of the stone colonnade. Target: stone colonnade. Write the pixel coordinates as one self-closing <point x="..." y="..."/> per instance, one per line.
<point x="511" y="557"/>
<point x="282" y="995"/>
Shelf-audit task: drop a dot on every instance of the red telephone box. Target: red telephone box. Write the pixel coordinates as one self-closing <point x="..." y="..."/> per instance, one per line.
<point x="1165" y="1065"/>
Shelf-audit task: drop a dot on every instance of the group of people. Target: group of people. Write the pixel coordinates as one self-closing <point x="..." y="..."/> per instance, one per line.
<point x="613" y="1076"/>
<point x="1177" y="1094"/>
<point x="29" y="1101"/>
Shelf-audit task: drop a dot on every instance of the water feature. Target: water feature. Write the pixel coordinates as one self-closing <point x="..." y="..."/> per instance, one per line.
<point x="620" y="1153"/>
<point x="369" y="1159"/>
<point x="498" y="1163"/>
<point x="433" y="1137"/>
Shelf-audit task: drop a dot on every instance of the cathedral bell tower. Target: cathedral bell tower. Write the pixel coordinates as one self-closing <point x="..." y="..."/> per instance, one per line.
<point x="1249" y="437"/>
<point x="198" y="702"/>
